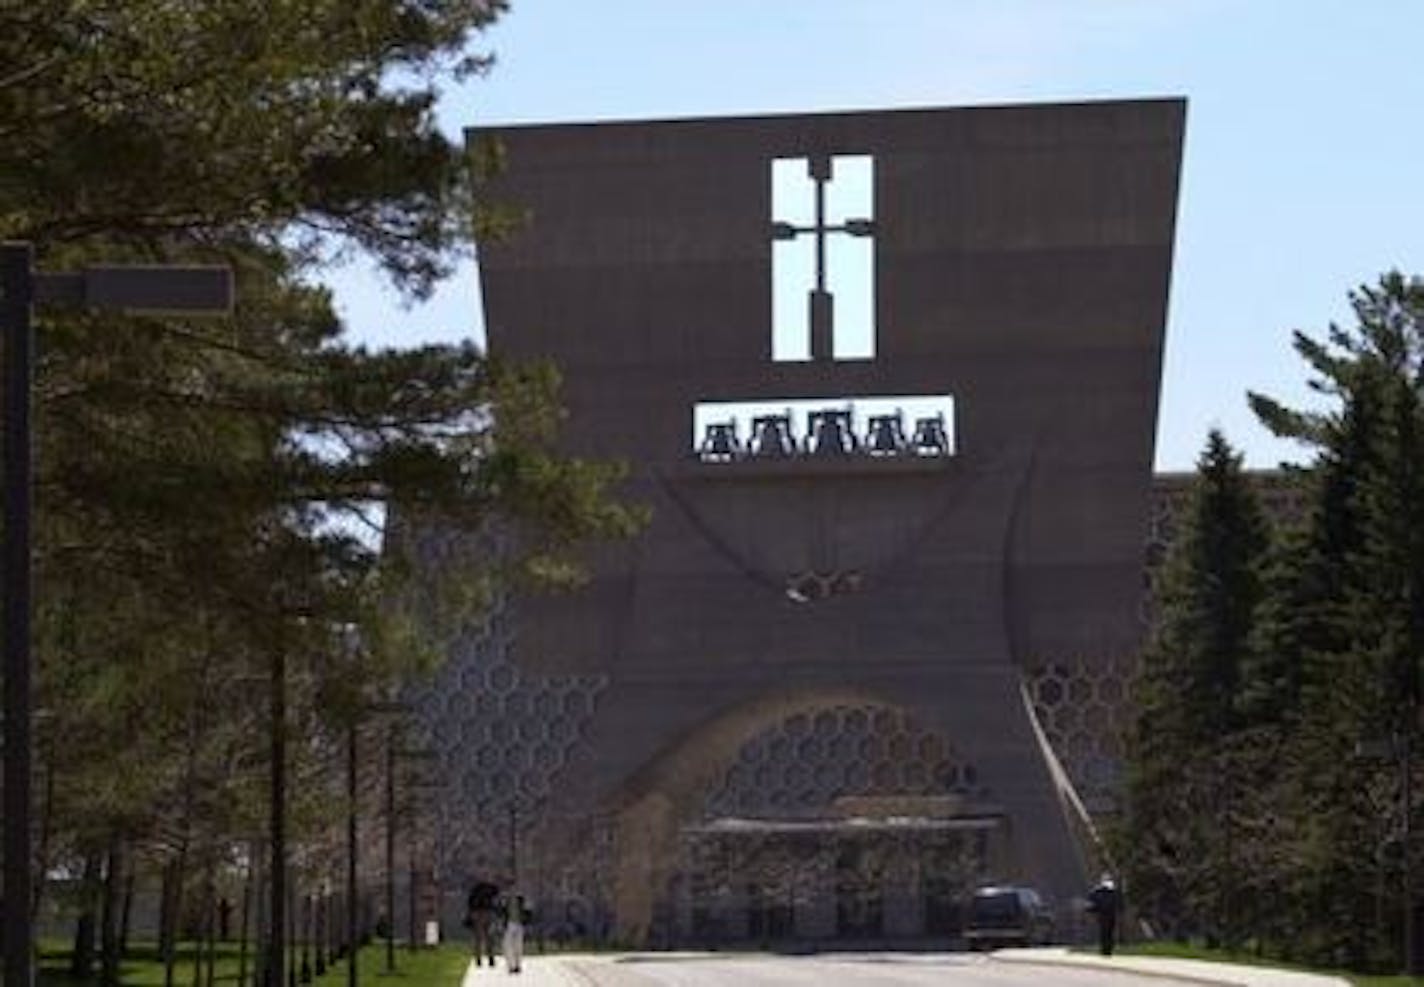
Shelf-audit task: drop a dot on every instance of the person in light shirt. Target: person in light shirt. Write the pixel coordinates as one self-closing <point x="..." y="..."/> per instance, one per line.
<point x="516" y="916"/>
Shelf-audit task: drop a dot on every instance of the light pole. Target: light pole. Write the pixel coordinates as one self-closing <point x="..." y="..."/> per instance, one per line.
<point x="413" y="786"/>
<point x="353" y="897"/>
<point x="393" y="755"/>
<point x="281" y="953"/>
<point x="135" y="289"/>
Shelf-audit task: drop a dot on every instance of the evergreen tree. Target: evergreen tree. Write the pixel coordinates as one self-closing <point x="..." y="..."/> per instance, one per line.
<point x="1348" y="618"/>
<point x="1183" y="750"/>
<point x="210" y="493"/>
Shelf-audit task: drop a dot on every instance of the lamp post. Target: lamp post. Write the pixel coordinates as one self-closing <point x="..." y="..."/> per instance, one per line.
<point x="135" y="289"/>
<point x="393" y="755"/>
<point x="413" y="786"/>
<point x="353" y="895"/>
<point x="281" y="953"/>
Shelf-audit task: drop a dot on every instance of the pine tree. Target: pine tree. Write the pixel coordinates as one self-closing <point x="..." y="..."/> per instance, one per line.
<point x="1181" y="751"/>
<point x="1347" y="617"/>
<point x="210" y="493"/>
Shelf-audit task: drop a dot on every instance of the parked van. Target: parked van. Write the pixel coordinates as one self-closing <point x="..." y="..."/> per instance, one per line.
<point x="1007" y="915"/>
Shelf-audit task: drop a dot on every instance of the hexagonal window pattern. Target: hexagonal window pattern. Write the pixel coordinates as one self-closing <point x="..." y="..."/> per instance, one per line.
<point x="505" y="733"/>
<point x="808" y="760"/>
<point x="1083" y="706"/>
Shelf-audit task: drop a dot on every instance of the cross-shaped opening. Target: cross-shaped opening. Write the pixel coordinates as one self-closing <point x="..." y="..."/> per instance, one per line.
<point x="823" y="258"/>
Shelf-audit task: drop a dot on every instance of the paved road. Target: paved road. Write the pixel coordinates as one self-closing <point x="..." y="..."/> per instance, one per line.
<point x="837" y="970"/>
<point x="843" y="971"/>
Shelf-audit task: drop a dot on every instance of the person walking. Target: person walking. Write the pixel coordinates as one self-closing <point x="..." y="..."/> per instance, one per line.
<point x="480" y="919"/>
<point x="516" y="916"/>
<point x="1104" y="902"/>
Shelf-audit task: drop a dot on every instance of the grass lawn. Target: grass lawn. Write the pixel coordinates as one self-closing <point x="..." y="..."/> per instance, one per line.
<point x="1194" y="952"/>
<point x="441" y="967"/>
<point x="142" y="967"/>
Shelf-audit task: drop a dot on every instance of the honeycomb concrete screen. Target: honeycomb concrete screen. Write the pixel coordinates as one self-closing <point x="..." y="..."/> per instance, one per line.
<point x="801" y="703"/>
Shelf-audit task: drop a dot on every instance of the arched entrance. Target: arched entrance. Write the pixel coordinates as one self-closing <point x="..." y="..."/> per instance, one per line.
<point x="836" y="818"/>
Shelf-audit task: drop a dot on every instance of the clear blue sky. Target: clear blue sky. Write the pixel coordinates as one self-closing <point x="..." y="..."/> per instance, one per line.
<point x="1304" y="170"/>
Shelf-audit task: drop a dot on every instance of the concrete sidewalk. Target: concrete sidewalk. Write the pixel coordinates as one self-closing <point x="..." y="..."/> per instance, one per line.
<point x="1186" y="971"/>
<point x="552" y="971"/>
<point x="536" y="971"/>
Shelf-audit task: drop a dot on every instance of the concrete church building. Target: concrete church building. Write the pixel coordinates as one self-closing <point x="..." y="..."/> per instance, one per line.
<point x="888" y="382"/>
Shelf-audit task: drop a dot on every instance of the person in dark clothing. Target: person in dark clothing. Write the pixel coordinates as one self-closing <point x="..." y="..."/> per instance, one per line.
<point x="1104" y="902"/>
<point x="480" y="919"/>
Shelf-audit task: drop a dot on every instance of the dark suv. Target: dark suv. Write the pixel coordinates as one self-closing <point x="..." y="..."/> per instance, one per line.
<point x="1007" y="915"/>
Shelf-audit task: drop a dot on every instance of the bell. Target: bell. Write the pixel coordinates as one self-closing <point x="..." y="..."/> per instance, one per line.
<point x="771" y="437"/>
<point x="930" y="438"/>
<point x="885" y="436"/>
<point x="830" y="434"/>
<point x="720" y="445"/>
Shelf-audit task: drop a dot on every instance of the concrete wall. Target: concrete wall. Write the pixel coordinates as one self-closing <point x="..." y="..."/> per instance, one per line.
<point x="1023" y="258"/>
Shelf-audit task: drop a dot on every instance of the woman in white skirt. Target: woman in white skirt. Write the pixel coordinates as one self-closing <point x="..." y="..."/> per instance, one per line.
<point x="514" y="919"/>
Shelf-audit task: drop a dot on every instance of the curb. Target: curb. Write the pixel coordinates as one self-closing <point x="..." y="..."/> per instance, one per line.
<point x="1092" y="964"/>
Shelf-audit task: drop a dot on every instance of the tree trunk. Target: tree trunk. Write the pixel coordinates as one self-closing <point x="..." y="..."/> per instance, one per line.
<point x="127" y="914"/>
<point x="205" y="927"/>
<point x="42" y="849"/>
<point x="242" y="928"/>
<point x="81" y="963"/>
<point x="165" y="908"/>
<point x="180" y="874"/>
<point x="259" y="921"/>
<point x="175" y="914"/>
<point x="174" y="911"/>
<point x="109" y="973"/>
<point x="210" y="974"/>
